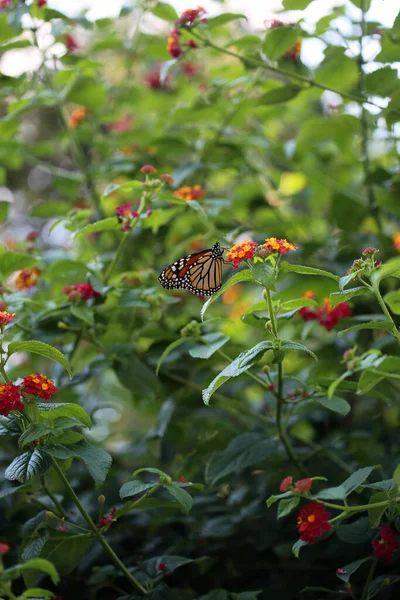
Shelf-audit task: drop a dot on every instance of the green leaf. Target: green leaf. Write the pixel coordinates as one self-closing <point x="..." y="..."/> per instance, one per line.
<point x="264" y="274"/>
<point x="333" y="493"/>
<point x="392" y="299"/>
<point x="245" y="450"/>
<point x="381" y="82"/>
<point x="51" y="209"/>
<point x="361" y="3"/>
<point x="36" y="593"/>
<point x="375" y="514"/>
<point x="239" y="365"/>
<point x="13" y="261"/>
<point x="128" y="186"/>
<point x="181" y="496"/>
<point x="28" y="466"/>
<point x="357" y="478"/>
<point x="133" y="488"/>
<point x="109" y="224"/>
<point x="237" y="278"/>
<point x="88" y="92"/>
<point x="337" y="70"/>
<point x="42" y="565"/>
<point x="66" y="550"/>
<point x="166" y="12"/>
<point x="175" y="344"/>
<point x="347" y="571"/>
<point x="346" y="295"/>
<point x="358" y="532"/>
<point x="212" y="343"/>
<point x="83" y="313"/>
<point x="286" y="506"/>
<point x="4" y="207"/>
<point x="302" y="270"/>
<point x="34" y="432"/>
<point x="391" y="268"/>
<point x="69" y="410"/>
<point x="43" y="350"/>
<point x="296" y="4"/>
<point x="280" y="94"/>
<point x="287" y="345"/>
<point x="280" y="40"/>
<point x="272" y="499"/>
<point x="383" y="325"/>
<point x="297" y="546"/>
<point x="223" y="19"/>
<point x="396" y="476"/>
<point x="337" y="405"/>
<point x="298" y="303"/>
<point x="97" y="460"/>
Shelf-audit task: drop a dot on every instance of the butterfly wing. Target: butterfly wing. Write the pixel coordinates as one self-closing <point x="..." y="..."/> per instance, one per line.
<point x="200" y="273"/>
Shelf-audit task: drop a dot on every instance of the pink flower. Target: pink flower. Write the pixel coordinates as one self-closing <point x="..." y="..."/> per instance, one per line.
<point x="304" y="485"/>
<point x="286" y="483"/>
<point x="108" y="519"/>
<point x="71" y="43"/>
<point x="148" y="169"/>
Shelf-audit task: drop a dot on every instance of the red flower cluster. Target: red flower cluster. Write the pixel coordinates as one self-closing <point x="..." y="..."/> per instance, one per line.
<point x="38" y="385"/>
<point x="162" y="567"/>
<point x="312" y="522"/>
<point x="188" y="19"/>
<point x="327" y="316"/>
<point x="304" y="485"/>
<point x="242" y="251"/>
<point x="387" y="545"/>
<point x="126" y="215"/>
<point x="182" y="480"/>
<point x="286" y="483"/>
<point x="41" y="3"/>
<point x="6" y="318"/>
<point x="80" y="291"/>
<point x="4" y="548"/>
<point x="10" y="398"/>
<point x="109" y="519"/>
<point x="189" y="193"/>
<point x="149" y="169"/>
<point x="153" y="79"/>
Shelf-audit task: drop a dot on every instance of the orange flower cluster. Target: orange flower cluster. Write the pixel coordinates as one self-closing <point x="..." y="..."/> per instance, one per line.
<point x="39" y="385"/>
<point x="396" y="241"/>
<point x="27" y="278"/>
<point x="77" y="116"/>
<point x="6" y="318"/>
<point x="10" y="398"/>
<point x="242" y="251"/>
<point x="280" y="246"/>
<point x="189" y="193"/>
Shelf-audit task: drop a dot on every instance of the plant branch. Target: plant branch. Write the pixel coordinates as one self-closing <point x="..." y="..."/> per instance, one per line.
<point x="369" y="579"/>
<point x="95" y="531"/>
<point x="53" y="498"/>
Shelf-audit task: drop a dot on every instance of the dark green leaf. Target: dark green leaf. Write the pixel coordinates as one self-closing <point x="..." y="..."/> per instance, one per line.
<point x="132" y="488"/>
<point x="28" y="466"/>
<point x="43" y="350"/>
<point x="347" y="571"/>
<point x="66" y="550"/>
<point x="279" y="41"/>
<point x="286" y="506"/>
<point x="237" y="278"/>
<point x="180" y="495"/>
<point x="280" y="94"/>
<point x="213" y="341"/>
<point x="383" y="325"/>
<point x="338" y="405"/>
<point x="72" y="411"/>
<point x="264" y="274"/>
<point x="303" y="270"/>
<point x="287" y="345"/>
<point x="97" y="460"/>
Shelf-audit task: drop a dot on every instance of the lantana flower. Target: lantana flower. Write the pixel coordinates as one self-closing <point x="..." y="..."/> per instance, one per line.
<point x="312" y="521"/>
<point x="280" y="246"/>
<point x="286" y="483"/>
<point x="174" y="48"/>
<point x="6" y="318"/>
<point x="386" y="546"/>
<point x="80" y="291"/>
<point x="108" y="519"/>
<point x="396" y="241"/>
<point x="188" y="19"/>
<point x="326" y="315"/>
<point x="189" y="193"/>
<point x="10" y="398"/>
<point x="242" y="251"/>
<point x="304" y="485"/>
<point x="126" y="215"/>
<point x="38" y="385"/>
<point x="77" y="116"/>
<point x="27" y="278"/>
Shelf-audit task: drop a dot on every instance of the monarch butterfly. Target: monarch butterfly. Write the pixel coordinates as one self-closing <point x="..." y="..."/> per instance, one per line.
<point x="200" y="273"/>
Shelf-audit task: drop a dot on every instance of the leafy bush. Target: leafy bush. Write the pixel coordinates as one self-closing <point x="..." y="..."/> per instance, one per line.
<point x="234" y="443"/>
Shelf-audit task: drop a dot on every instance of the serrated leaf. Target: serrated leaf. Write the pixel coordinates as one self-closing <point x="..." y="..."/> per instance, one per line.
<point x="336" y="404"/>
<point x="34" y="548"/>
<point x="383" y="325"/>
<point x="264" y="274"/>
<point x="109" y="224"/>
<point x="272" y="499"/>
<point x="66" y="550"/>
<point x="237" y="278"/>
<point x="303" y="270"/>
<point x="28" y="466"/>
<point x="97" y="460"/>
<point x="333" y="493"/>
<point x="132" y="488"/>
<point x="280" y="40"/>
<point x="288" y="345"/>
<point x="298" y="303"/>
<point x="356" y="479"/>
<point x="83" y="313"/>
<point x="286" y="506"/>
<point x="43" y="350"/>
<point x="180" y="495"/>
<point x="212" y="343"/>
<point x="128" y="186"/>
<point x="14" y="261"/>
<point x="346" y="295"/>
<point x="347" y="571"/>
<point x="69" y="410"/>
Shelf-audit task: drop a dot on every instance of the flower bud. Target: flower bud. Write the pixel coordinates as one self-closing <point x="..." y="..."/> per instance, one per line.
<point x="50" y="515"/>
<point x="268" y="325"/>
<point x="101" y="499"/>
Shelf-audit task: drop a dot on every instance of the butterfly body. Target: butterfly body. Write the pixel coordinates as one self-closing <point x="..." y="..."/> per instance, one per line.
<point x="199" y="273"/>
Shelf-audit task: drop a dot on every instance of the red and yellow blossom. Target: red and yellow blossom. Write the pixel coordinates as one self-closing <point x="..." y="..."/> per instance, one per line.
<point x="126" y="215"/>
<point x="6" y="318"/>
<point x="286" y="483"/>
<point x="312" y="521"/>
<point x="27" y="278"/>
<point x="386" y="546"/>
<point x="280" y="246"/>
<point x="38" y="385"/>
<point x="326" y="315"/>
<point x="77" y="116"/>
<point x="189" y="193"/>
<point x="396" y="241"/>
<point x="10" y="398"/>
<point x="174" y="48"/>
<point x="295" y="51"/>
<point x="242" y="251"/>
<point x="189" y="16"/>
<point x="80" y="291"/>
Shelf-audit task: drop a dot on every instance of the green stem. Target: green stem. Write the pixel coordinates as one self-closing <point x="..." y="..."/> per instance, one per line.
<point x="95" y="531"/>
<point x="53" y="498"/>
<point x="369" y="579"/>
<point x="279" y="395"/>
<point x="117" y="256"/>
<point x="259" y="63"/>
<point x="4" y="374"/>
<point x="362" y="507"/>
<point x="395" y="333"/>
